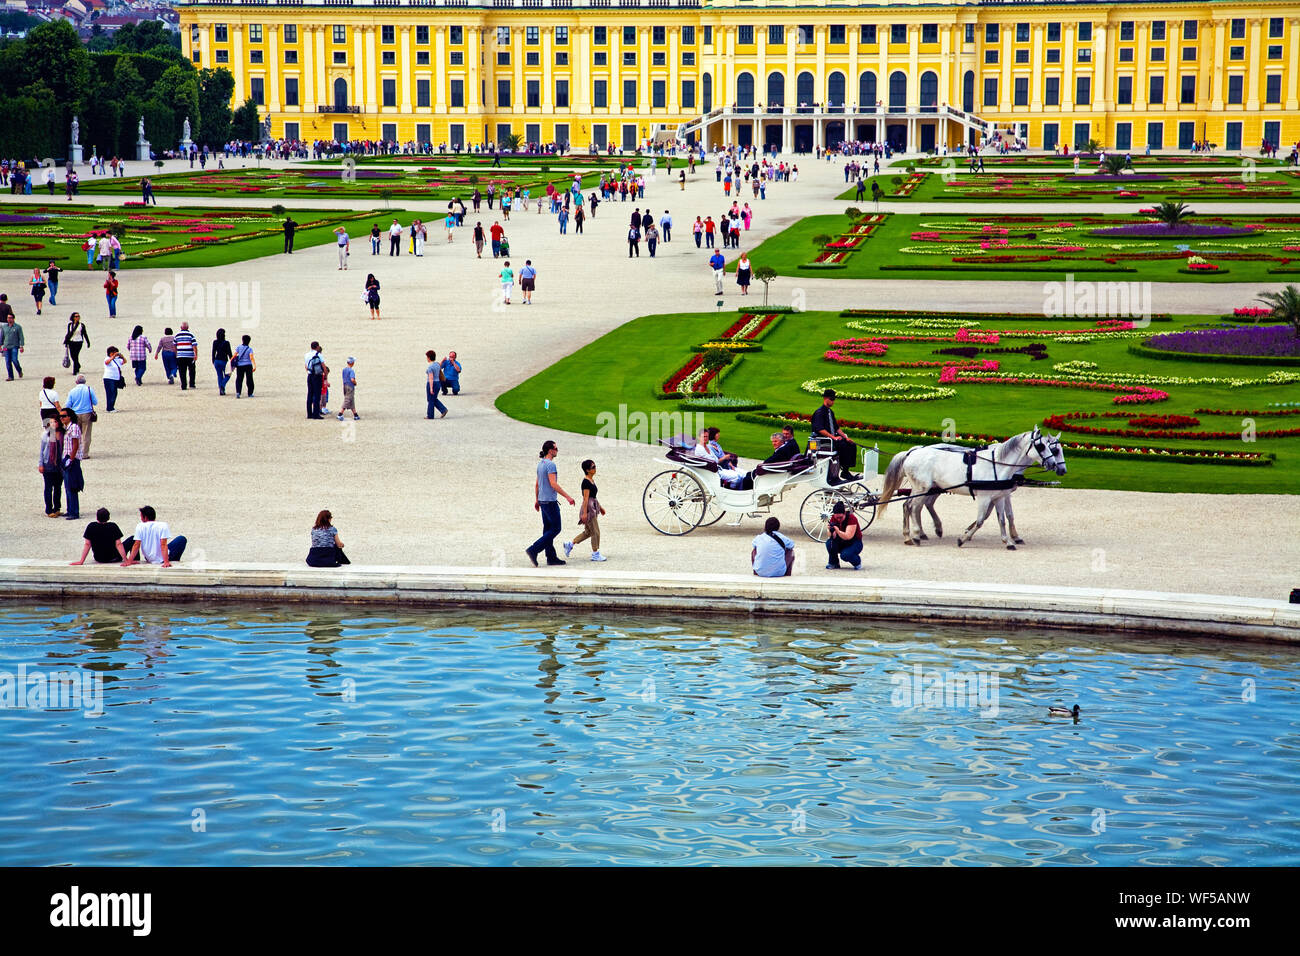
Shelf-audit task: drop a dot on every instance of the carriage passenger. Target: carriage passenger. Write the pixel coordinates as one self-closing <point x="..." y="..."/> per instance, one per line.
<point x="728" y="475"/>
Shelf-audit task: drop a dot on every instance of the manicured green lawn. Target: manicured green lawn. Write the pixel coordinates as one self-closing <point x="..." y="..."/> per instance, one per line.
<point x="909" y="246"/>
<point x="341" y="183"/>
<point x="629" y="366"/>
<point x="158" y="236"/>
<point x="1250" y="185"/>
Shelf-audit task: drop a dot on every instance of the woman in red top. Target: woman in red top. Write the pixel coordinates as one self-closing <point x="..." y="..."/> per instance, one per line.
<point x="110" y="293"/>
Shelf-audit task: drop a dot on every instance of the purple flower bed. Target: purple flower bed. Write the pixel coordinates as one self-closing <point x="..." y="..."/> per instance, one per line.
<point x="1280" y="340"/>
<point x="1184" y="230"/>
<point x="14" y="219"/>
<point x="1125" y="178"/>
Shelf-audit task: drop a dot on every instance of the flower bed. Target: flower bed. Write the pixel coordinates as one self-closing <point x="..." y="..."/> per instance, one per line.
<point x="1069" y="421"/>
<point x="1265" y="340"/>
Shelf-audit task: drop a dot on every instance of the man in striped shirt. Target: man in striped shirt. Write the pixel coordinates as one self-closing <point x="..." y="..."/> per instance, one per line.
<point x="187" y="352"/>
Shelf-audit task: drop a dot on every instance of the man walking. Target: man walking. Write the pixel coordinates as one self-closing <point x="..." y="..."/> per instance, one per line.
<point x="344" y="246"/>
<point x="634" y="242"/>
<point x="395" y="239"/>
<point x="717" y="263"/>
<point x="666" y="226"/>
<point x="11" y="341"/>
<point x="497" y="232"/>
<point x="546" y="495"/>
<point x="187" y="353"/>
<point x="289" y="227"/>
<point x="315" y="366"/>
<point x="350" y="391"/>
<point x="81" y="402"/>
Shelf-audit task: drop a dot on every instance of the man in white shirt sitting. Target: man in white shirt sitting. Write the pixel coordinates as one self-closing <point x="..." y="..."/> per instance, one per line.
<point x="152" y="542"/>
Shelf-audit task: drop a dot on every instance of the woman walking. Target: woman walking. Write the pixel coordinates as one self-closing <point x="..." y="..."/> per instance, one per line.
<point x="433" y="380"/>
<point x="507" y="282"/>
<point x="697" y="228"/>
<point x="37" y="284"/>
<point x="743" y="273"/>
<point x="479" y="238"/>
<point x="326" y="545"/>
<point x="112" y="376"/>
<point x="167" y="352"/>
<point x="50" y="464"/>
<point x="245" y="364"/>
<point x="221" y="355"/>
<point x="546" y="500"/>
<point x="76" y="337"/>
<point x="372" y="295"/>
<point x="110" y="293"/>
<point x="450" y="223"/>
<point x="578" y="218"/>
<point x="139" y="349"/>
<point x="588" y="514"/>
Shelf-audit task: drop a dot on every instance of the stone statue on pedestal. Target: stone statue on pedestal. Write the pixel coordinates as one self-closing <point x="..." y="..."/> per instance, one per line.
<point x="74" y="148"/>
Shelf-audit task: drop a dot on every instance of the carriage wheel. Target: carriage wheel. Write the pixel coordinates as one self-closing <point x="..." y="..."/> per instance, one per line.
<point x="674" y="502"/>
<point x="864" y="506"/>
<point x="815" y="512"/>
<point x="714" y="514"/>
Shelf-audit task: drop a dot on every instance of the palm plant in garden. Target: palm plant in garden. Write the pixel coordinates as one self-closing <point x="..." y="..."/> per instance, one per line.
<point x="1171" y="213"/>
<point x="1285" y="306"/>
<point x="1092" y="146"/>
<point x="511" y="142"/>
<point x="1112" y="165"/>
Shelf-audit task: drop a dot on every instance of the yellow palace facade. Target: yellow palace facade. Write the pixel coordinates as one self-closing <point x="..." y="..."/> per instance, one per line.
<point x="1133" y="76"/>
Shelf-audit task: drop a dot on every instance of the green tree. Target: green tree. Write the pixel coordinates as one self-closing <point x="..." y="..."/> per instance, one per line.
<point x="216" y="87"/>
<point x="765" y="275"/>
<point x="178" y="88"/>
<point x="52" y="54"/>
<point x="243" y="124"/>
<point x="1172" y="213"/>
<point x="1285" y="305"/>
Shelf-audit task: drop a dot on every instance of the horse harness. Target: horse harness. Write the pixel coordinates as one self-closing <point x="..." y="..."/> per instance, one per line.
<point x="973" y="484"/>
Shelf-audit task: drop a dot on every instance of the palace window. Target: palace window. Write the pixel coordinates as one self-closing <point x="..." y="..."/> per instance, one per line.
<point x="629" y="58"/>
<point x="340" y="58"/>
<point x="455" y="35"/>
<point x="688" y="36"/>
<point x="970" y="33"/>
<point x="533" y="94"/>
<point x="1156" y="90"/>
<point x="1052" y="91"/>
<point x="457" y="57"/>
<point x="387" y="34"/>
<point x="629" y="36"/>
<point x="1189" y="53"/>
<point x="1274" y="28"/>
<point x="1085" y="55"/>
<point x="1275" y="51"/>
<point x="1085" y="32"/>
<point x="1126" y="30"/>
<point x="1126" y="54"/>
<point x="257" y="90"/>
<point x="1053" y="33"/>
<point x="562" y="93"/>
<point x="838" y="34"/>
<point x="1022" y="32"/>
<point x="708" y="36"/>
<point x="220" y="33"/>
<point x="1022" y="91"/>
<point x="290" y="56"/>
<point x="254" y="56"/>
<point x="422" y="36"/>
<point x="658" y="35"/>
<point x="1273" y="88"/>
<point x="389" y="58"/>
<point x="929" y="33"/>
<point x="991" y="55"/>
<point x="458" y="94"/>
<point x="600" y="58"/>
<point x="775" y="34"/>
<point x="807" y="35"/>
<point x="561" y="36"/>
<point x="658" y="94"/>
<point x="1235" y="84"/>
<point x="389" y="92"/>
<point x="600" y="94"/>
<point x="291" y="33"/>
<point x="1124" y="91"/>
<point x="629" y="94"/>
<point x="1189" y="29"/>
<point x="688" y="59"/>
<point x="1187" y="94"/>
<point x="1158" y="53"/>
<point x="688" y="94"/>
<point x="599" y="36"/>
<point x="532" y="36"/>
<point x="1022" y="56"/>
<point x="503" y="93"/>
<point x="1053" y="56"/>
<point x="503" y="58"/>
<point x="340" y="33"/>
<point x="561" y="59"/>
<point x="658" y="59"/>
<point x="532" y="58"/>
<point x="254" y="33"/>
<point x="990" y="33"/>
<point x="503" y="36"/>
<point x="898" y="33"/>
<point x="1082" y="90"/>
<point x="291" y="91"/>
<point x="1238" y="31"/>
<point x="1236" y="53"/>
<point x="867" y="34"/>
<point x="223" y="56"/>
<point x="1157" y="29"/>
<point x="745" y="35"/>
<point x="991" y="91"/>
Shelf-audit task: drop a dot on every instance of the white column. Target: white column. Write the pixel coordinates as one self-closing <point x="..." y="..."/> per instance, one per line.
<point x="404" y="46"/>
<point x="1067" y="80"/>
<point x="851" y="81"/>
<point x="1255" y="61"/>
<point x="1140" y="80"/>
<point x="517" y="98"/>
<point x="308" y="92"/>
<point x="324" y="94"/>
<point x="548" y="73"/>
<point x="673" y="81"/>
<point x="358" y="61"/>
<point x="237" y="62"/>
<point x="581" y="94"/>
<point x="1293" y="66"/>
<point x="945" y="67"/>
<point x="273" y="79"/>
<point x="643" y="60"/>
<point x="439" y="79"/>
<point x="1102" y="69"/>
<point x="913" y="70"/>
<point x="1036" y="78"/>
<point x="372" y="72"/>
<point x="1216" y="93"/>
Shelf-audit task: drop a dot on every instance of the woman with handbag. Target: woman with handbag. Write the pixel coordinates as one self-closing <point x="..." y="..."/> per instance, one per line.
<point x="245" y="365"/>
<point x="49" y="400"/>
<point x="76" y="337"/>
<point x="371" y="296"/>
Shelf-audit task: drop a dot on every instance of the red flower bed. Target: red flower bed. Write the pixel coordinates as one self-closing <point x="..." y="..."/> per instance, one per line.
<point x="1070" y="422"/>
<point x="1129" y="394"/>
<point x="672" y="384"/>
<point x="1158" y="421"/>
<point x="1276" y="411"/>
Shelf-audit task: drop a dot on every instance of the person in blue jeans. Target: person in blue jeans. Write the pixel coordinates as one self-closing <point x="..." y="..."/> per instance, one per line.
<point x="433" y="386"/>
<point x="451" y="369"/>
<point x="72" y="480"/>
<point x="547" y="493"/>
<point x="845" y="539"/>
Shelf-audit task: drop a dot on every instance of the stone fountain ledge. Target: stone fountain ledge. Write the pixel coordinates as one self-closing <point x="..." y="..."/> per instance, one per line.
<point x="853" y="596"/>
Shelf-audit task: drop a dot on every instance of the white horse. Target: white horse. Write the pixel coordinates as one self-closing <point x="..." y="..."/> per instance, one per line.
<point x="988" y="475"/>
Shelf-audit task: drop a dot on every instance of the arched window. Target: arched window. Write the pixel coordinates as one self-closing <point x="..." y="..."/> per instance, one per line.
<point x="897" y="91"/>
<point x="805" y="93"/>
<point x="835" y="90"/>
<point x="929" y="89"/>
<point x="340" y="92"/>
<point x="775" y="89"/>
<point x="745" y="90"/>
<point x="968" y="92"/>
<point x="867" y="91"/>
<point x="708" y="92"/>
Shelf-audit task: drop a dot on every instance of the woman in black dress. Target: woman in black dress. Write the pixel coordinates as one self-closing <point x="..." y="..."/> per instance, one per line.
<point x="372" y="295"/>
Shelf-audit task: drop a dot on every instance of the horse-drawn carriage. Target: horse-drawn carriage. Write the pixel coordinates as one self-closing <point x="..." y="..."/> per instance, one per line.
<point x="692" y="493"/>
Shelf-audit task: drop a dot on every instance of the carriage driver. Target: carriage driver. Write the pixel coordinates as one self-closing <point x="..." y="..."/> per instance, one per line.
<point x="824" y="424"/>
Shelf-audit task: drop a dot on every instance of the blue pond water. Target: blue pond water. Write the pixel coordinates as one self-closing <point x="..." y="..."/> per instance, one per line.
<point x="284" y="736"/>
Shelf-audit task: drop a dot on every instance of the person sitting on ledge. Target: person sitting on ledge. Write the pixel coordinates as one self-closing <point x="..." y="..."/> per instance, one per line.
<point x="104" y="538"/>
<point x="772" y="554"/>
<point x="326" y="546"/>
<point x="152" y="542"/>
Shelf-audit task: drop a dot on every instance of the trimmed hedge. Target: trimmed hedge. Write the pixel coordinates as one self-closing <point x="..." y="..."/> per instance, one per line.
<point x="1002" y="267"/>
<point x="1146" y="351"/>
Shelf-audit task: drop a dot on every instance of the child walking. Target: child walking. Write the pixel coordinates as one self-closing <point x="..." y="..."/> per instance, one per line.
<point x="588" y="514"/>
